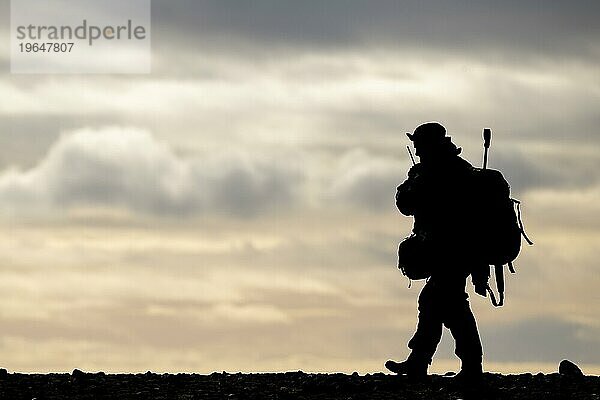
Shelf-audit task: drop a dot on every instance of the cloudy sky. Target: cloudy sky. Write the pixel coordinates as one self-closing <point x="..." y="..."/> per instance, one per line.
<point x="233" y="210"/>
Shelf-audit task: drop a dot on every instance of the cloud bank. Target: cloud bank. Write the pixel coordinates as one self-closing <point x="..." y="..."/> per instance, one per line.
<point x="546" y="28"/>
<point x="128" y="168"/>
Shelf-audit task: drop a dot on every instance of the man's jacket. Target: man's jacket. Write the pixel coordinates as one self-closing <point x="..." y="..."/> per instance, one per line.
<point x="435" y="194"/>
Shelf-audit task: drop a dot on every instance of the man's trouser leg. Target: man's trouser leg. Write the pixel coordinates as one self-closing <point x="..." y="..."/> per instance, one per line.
<point x="429" y="327"/>
<point x="462" y="325"/>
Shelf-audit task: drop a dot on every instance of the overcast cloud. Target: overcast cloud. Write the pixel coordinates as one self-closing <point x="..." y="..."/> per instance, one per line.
<point x="547" y="28"/>
<point x="128" y="168"/>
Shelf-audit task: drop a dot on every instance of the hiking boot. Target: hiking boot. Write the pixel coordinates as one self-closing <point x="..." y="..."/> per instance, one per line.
<point x="411" y="368"/>
<point x="469" y="377"/>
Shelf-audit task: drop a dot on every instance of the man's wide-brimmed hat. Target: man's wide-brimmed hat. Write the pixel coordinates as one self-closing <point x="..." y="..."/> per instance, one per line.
<point x="430" y="133"/>
<point x="431" y="137"/>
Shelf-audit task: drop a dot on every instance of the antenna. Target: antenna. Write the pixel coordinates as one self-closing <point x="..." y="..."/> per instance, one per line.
<point x="410" y="154"/>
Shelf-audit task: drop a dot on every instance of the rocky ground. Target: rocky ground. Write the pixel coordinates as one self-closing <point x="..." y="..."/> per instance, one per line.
<point x="290" y="385"/>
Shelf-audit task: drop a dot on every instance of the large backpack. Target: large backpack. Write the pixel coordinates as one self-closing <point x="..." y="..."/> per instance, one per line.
<point x="495" y="220"/>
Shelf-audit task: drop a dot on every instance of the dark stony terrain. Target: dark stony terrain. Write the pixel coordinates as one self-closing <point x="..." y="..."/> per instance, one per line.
<point x="290" y="385"/>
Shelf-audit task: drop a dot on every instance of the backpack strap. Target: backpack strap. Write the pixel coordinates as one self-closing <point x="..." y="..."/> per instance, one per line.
<point x="521" y="227"/>
<point x="499" y="272"/>
<point x="492" y="297"/>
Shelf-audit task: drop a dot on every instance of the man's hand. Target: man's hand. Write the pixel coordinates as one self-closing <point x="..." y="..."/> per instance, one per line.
<point x="415" y="170"/>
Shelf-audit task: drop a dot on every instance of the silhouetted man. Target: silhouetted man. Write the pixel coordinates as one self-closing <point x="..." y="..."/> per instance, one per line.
<point x="434" y="194"/>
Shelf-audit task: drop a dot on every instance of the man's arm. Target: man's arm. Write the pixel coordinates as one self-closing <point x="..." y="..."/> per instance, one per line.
<point x="409" y="192"/>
